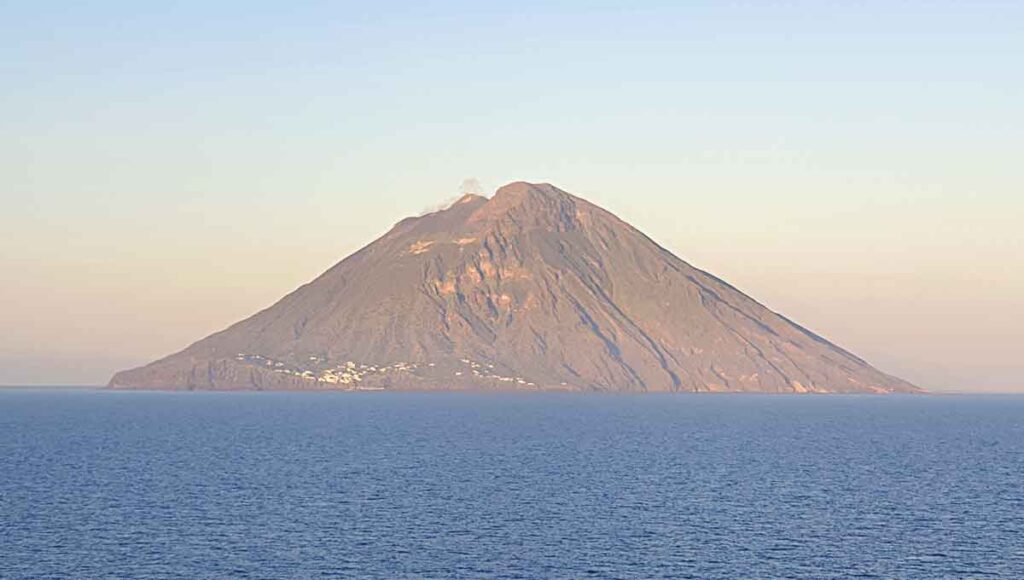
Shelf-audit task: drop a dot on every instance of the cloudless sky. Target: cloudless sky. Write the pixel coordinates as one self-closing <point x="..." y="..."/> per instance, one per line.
<point x="166" y="170"/>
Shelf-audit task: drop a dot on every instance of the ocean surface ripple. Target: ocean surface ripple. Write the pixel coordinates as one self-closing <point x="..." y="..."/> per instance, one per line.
<point x="97" y="484"/>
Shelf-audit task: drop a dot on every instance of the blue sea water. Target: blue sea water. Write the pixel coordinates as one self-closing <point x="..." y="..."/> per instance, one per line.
<point x="98" y="484"/>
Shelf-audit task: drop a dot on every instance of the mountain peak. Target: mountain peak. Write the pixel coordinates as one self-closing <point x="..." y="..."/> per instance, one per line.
<point x="519" y="192"/>
<point x="529" y="203"/>
<point x="522" y="188"/>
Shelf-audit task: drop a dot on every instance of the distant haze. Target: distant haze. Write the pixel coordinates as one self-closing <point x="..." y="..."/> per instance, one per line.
<point x="166" y="172"/>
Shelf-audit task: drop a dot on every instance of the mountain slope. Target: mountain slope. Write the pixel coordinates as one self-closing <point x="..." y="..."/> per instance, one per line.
<point x="531" y="289"/>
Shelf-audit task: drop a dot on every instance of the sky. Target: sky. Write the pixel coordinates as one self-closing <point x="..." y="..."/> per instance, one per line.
<point x="166" y="170"/>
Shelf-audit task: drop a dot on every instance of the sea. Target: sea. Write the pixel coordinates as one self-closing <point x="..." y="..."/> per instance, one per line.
<point x="104" y="484"/>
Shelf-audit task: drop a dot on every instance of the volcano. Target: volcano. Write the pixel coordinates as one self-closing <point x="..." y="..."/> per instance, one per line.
<point x="532" y="289"/>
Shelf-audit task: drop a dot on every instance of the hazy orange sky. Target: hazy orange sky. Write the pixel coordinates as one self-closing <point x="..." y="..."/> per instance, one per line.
<point x="167" y="172"/>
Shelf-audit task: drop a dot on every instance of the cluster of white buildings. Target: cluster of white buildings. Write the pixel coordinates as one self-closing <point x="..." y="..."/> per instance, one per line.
<point x="349" y="373"/>
<point x="486" y="371"/>
<point x="352" y="374"/>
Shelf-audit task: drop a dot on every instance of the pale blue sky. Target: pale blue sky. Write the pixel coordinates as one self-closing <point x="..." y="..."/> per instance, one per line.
<point x="167" y="170"/>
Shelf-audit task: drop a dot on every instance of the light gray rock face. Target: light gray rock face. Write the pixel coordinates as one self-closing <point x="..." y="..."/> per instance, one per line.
<point x="531" y="289"/>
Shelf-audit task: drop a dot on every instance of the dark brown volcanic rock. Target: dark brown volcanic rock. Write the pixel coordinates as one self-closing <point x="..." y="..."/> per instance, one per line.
<point x="531" y="289"/>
